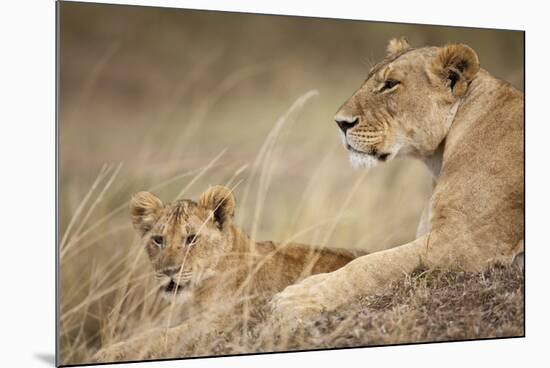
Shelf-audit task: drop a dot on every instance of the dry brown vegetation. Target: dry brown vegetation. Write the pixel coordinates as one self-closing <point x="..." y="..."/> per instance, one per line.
<point x="425" y="306"/>
<point x="429" y="306"/>
<point x="173" y="102"/>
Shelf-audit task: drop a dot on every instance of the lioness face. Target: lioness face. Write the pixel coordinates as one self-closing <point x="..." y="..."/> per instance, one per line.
<point x="185" y="240"/>
<point x="407" y="103"/>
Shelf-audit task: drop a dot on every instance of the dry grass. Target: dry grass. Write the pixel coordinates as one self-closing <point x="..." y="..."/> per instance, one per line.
<point x="118" y="299"/>
<point x="138" y="113"/>
<point x="425" y="306"/>
<point x="428" y="306"/>
<point x="422" y="307"/>
<point x="108" y="292"/>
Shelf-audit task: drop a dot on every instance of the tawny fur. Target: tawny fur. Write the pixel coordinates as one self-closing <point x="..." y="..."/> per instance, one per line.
<point x="468" y="127"/>
<point x="397" y="45"/>
<point x="239" y="273"/>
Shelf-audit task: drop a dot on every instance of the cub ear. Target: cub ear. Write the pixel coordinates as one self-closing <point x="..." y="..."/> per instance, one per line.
<point x="457" y="65"/>
<point x="221" y="201"/>
<point x="397" y="45"/>
<point x="144" y="210"/>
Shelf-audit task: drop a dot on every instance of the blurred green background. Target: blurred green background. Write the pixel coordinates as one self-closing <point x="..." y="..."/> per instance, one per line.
<point x="162" y="92"/>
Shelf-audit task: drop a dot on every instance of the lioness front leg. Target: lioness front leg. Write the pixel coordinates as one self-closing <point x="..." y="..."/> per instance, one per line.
<point x="363" y="276"/>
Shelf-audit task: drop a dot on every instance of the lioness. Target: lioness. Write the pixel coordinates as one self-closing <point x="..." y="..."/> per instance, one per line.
<point x="200" y="257"/>
<point x="435" y="104"/>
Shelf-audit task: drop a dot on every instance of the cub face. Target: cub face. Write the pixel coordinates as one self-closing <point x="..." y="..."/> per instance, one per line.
<point x="407" y="103"/>
<point x="185" y="240"/>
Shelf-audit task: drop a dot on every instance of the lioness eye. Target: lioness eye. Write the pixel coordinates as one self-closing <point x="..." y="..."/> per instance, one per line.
<point x="158" y="240"/>
<point x="389" y="84"/>
<point x="191" y="239"/>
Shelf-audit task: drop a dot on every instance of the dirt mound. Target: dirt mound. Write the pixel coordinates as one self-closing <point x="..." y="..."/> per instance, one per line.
<point x="424" y="306"/>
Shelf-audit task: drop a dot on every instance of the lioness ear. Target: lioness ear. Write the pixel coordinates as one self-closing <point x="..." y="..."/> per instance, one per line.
<point x="144" y="210"/>
<point x="397" y="45"/>
<point x="221" y="201"/>
<point x="457" y="65"/>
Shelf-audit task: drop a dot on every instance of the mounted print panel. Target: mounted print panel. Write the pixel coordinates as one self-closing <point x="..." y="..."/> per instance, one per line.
<point x="235" y="183"/>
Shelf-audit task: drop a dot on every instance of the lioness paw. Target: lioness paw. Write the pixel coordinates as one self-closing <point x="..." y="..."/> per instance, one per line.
<point x="301" y="303"/>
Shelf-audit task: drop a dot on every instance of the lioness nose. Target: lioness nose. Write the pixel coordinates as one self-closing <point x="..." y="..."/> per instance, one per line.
<point x="345" y="123"/>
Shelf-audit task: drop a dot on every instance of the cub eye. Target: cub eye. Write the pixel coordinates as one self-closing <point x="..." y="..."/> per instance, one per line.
<point x="158" y="240"/>
<point x="191" y="239"/>
<point x="389" y="84"/>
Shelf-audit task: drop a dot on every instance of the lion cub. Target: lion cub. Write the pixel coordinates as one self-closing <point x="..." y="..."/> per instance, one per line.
<point x="202" y="259"/>
<point x="200" y="256"/>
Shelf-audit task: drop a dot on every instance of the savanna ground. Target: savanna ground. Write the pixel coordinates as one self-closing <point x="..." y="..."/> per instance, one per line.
<point x="175" y="101"/>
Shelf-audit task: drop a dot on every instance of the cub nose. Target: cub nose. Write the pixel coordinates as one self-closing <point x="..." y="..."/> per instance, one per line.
<point x="345" y="123"/>
<point x="170" y="271"/>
